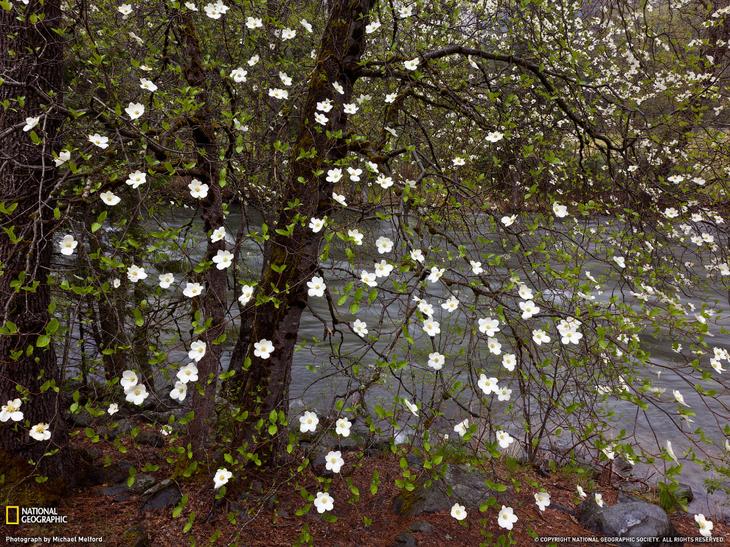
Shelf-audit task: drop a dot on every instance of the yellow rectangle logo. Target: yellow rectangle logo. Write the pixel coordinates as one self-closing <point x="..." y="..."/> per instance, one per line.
<point x="9" y="509"/>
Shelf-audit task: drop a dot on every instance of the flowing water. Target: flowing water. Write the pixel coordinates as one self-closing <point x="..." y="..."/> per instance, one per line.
<point x="316" y="383"/>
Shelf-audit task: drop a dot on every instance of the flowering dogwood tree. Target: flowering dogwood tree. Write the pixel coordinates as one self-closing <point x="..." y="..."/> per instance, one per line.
<point x="492" y="208"/>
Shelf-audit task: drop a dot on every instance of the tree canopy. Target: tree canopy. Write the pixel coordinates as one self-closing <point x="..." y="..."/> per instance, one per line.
<point x="502" y="221"/>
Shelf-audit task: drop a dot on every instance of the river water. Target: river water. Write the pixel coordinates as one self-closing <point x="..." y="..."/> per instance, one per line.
<point x="317" y="379"/>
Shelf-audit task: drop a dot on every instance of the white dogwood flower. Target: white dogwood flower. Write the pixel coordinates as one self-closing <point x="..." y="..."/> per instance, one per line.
<point x="308" y="422"/>
<point x="40" y="432"/>
<point x="263" y="348"/>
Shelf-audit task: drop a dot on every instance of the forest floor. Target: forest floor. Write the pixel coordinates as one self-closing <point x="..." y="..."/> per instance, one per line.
<point x="269" y="518"/>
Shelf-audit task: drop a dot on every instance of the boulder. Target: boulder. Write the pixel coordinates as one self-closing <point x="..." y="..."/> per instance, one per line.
<point x="168" y="496"/>
<point x="157" y="487"/>
<point x="163" y="417"/>
<point x="150" y="438"/>
<point x="461" y="483"/>
<point x="142" y="483"/>
<point x="117" y="428"/>
<point x="122" y="492"/>
<point x="113" y="473"/>
<point x="627" y="519"/>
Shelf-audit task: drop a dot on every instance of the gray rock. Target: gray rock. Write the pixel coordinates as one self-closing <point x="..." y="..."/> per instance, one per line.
<point x="421" y="527"/>
<point x="122" y="492"/>
<point x="150" y="438"/>
<point x="625" y="496"/>
<point x="114" y="473"/>
<point x="318" y="461"/>
<point x="118" y="428"/>
<point x="163" y="417"/>
<point x="406" y="540"/>
<point x="142" y="483"/>
<point x="630" y="519"/>
<point x="461" y="484"/>
<point x="157" y="487"/>
<point x="167" y="497"/>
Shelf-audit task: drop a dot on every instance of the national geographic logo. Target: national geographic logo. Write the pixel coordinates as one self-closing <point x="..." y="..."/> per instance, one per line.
<point x="15" y="514"/>
<point x="12" y="514"/>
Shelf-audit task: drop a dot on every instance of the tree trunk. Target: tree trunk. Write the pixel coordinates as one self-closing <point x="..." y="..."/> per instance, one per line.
<point x="264" y="385"/>
<point x="213" y="300"/>
<point x="31" y="66"/>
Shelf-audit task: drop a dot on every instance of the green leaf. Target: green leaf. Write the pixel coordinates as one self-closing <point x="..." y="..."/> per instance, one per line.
<point x="52" y="326"/>
<point x="138" y="319"/>
<point x="177" y="511"/>
<point x="7" y="209"/>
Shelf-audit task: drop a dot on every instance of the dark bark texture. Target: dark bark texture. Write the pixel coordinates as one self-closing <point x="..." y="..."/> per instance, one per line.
<point x="31" y="67"/>
<point x="282" y="296"/>
<point x="213" y="300"/>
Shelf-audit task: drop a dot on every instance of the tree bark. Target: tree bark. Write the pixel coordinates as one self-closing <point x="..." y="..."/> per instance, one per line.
<point x="31" y="67"/>
<point x="213" y="300"/>
<point x="281" y="296"/>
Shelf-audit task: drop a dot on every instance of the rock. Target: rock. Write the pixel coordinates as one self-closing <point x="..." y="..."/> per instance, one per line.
<point x="630" y="519"/>
<point x="136" y="536"/>
<point x="406" y="540"/>
<point x="626" y="497"/>
<point x="461" y="483"/>
<point x="142" y="483"/>
<point x="376" y="446"/>
<point x="81" y="418"/>
<point x="318" y="460"/>
<point x="685" y="492"/>
<point x="118" y="428"/>
<point x="157" y="487"/>
<point x="122" y="492"/>
<point x="114" y="473"/>
<point x="421" y="527"/>
<point x="150" y="438"/>
<point x="164" y="498"/>
<point x="163" y="417"/>
<point x="91" y="453"/>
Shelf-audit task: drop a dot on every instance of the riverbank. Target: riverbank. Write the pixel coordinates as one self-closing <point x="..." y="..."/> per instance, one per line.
<point x="369" y="509"/>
